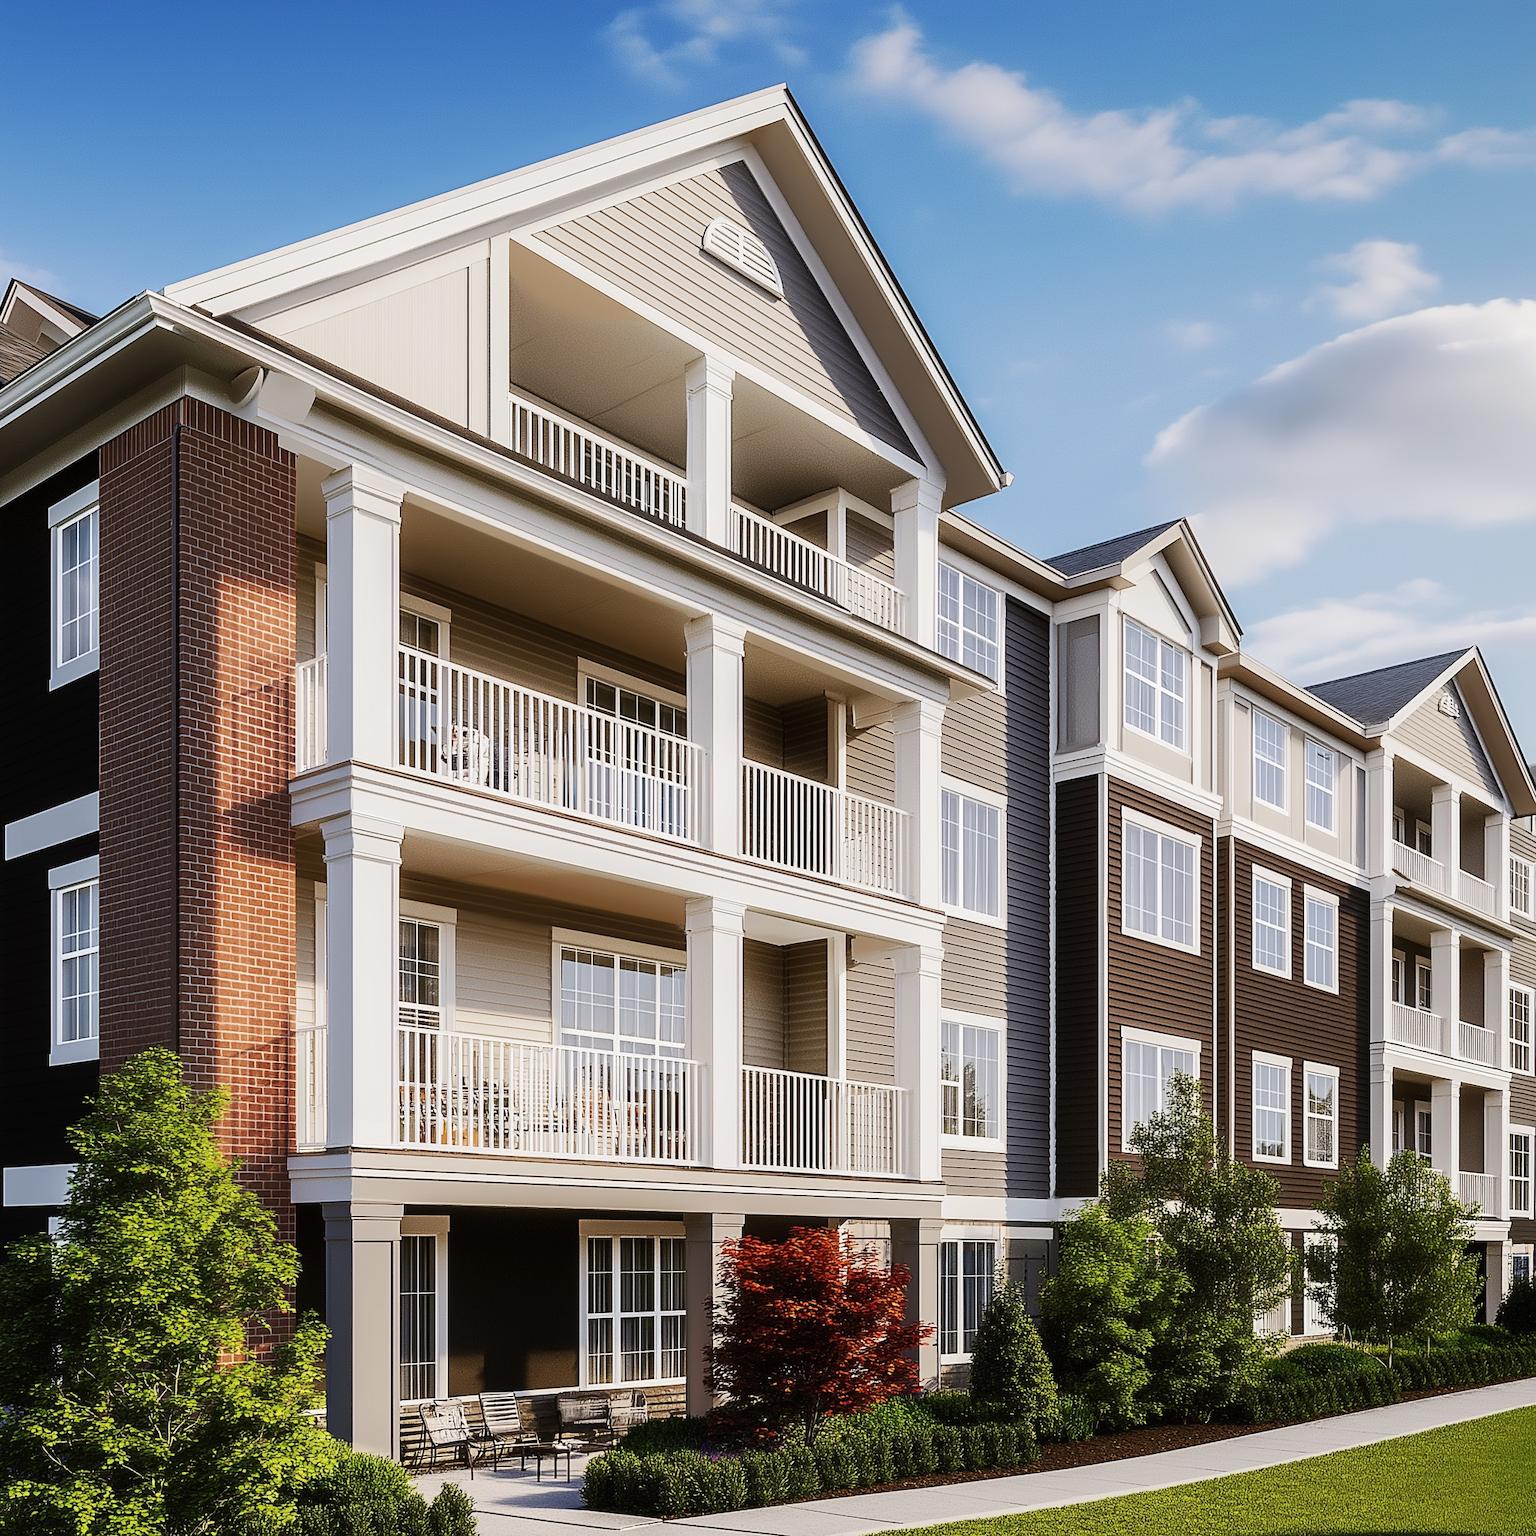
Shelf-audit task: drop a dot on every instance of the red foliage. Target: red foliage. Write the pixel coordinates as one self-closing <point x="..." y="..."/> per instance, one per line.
<point x="804" y="1328"/>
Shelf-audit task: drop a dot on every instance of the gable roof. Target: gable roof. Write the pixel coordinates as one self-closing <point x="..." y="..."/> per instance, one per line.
<point x="17" y="355"/>
<point x="1376" y="697"/>
<point x="1107" y="552"/>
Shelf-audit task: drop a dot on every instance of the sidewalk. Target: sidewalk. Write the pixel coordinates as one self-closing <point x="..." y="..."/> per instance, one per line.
<point x="508" y="1504"/>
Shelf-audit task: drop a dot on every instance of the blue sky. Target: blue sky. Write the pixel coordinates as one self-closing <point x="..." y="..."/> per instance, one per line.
<point x="1269" y="265"/>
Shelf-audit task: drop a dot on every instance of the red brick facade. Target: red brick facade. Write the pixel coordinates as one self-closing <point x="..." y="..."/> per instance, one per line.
<point x="197" y="856"/>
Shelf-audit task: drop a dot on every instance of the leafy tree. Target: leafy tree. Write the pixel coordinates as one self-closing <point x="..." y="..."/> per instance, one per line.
<point x="1517" y="1312"/>
<point x="1010" y="1370"/>
<point x="128" y="1347"/>
<point x="1398" y="1262"/>
<point x="805" y="1328"/>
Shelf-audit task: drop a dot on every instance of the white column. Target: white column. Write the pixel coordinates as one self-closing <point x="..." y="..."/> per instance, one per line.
<point x="1496" y="1148"/>
<point x="915" y="506"/>
<point x="715" y="929"/>
<point x="1381" y="1110"/>
<point x="1496" y="861"/>
<point x="915" y="1245"/>
<point x="705" y="1239"/>
<point x="362" y="1311"/>
<point x="1445" y="1128"/>
<point x="1381" y="972"/>
<point x="918" y="725"/>
<point x="1445" y="980"/>
<point x="1495" y="1259"/>
<point x="1379" y="796"/>
<point x="1445" y="830"/>
<point x="1496" y="999"/>
<point x="709" y="385"/>
<point x="362" y="553"/>
<point x="918" y="1023"/>
<point x="837" y="1006"/>
<point x="715" y="647"/>
<point x="362" y="928"/>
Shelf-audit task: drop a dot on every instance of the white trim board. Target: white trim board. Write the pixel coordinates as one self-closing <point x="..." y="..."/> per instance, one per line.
<point x="38" y="1184"/>
<point x="58" y="824"/>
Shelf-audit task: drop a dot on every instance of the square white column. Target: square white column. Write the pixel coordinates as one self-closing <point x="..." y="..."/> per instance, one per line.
<point x="716" y="646"/>
<point x="918" y="725"/>
<point x="362" y="554"/>
<point x="1381" y="971"/>
<point x="362" y="1311"/>
<point x="704" y="1244"/>
<point x="1379" y="795"/>
<point x="1445" y="1128"/>
<point x="715" y="934"/>
<point x="919" y="1013"/>
<point x="915" y="1246"/>
<point x="1445" y="979"/>
<point x="1496" y="861"/>
<point x="362" y="939"/>
<point x="709" y="384"/>
<point x="1445" y="830"/>
<point x="915" y="507"/>
<point x="1496" y="999"/>
<point x="1496" y="1148"/>
<point x="1381" y="1111"/>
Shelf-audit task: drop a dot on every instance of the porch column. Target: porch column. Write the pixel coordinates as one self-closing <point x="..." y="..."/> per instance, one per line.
<point x="706" y="1236"/>
<point x="1496" y="1148"/>
<point x="918" y="970"/>
<point x="918" y="724"/>
<point x="709" y="382"/>
<point x="1496" y="999"/>
<point x="1496" y="861"/>
<point x="1445" y="831"/>
<point x="915" y="507"/>
<point x="1379" y="795"/>
<point x="362" y="553"/>
<point x="362" y="1310"/>
<point x="1381" y="1111"/>
<point x="1445" y="980"/>
<point x="362" y="928"/>
<point x="715" y="930"/>
<point x="1495" y="1262"/>
<point x="1445" y="1129"/>
<point x="716" y="646"/>
<point x="915" y="1245"/>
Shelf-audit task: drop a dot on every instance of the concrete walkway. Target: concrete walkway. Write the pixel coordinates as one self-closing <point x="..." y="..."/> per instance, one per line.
<point x="511" y="1504"/>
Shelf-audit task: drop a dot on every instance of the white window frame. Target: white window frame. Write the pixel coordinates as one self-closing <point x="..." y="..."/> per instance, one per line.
<point x="963" y="792"/>
<point x="1313" y="752"/>
<point x="1521" y="878"/>
<point x="614" y="1230"/>
<point x="1313" y="1321"/>
<point x="68" y="877"/>
<point x="950" y="634"/>
<point x="1161" y="1043"/>
<point x="1281" y="882"/>
<point x="997" y="1027"/>
<point x="1399" y="977"/>
<point x="1283" y="1065"/>
<point x="1311" y="896"/>
<point x="1161" y="692"/>
<point x="1282" y="767"/>
<point x="76" y="507"/>
<point x="1165" y="833"/>
<point x="435" y="1227"/>
<point x="1527" y="1134"/>
<point x="605" y="944"/>
<point x="596" y="672"/>
<point x="1423" y="1129"/>
<point x="446" y="921"/>
<point x="1318" y="1069"/>
<point x="1525" y="1047"/>
<point x="425" y="608"/>
<point x="958" y="1239"/>
<point x="1423" y="985"/>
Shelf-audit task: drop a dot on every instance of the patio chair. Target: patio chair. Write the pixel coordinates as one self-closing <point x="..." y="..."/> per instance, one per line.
<point x="587" y="1414"/>
<point x="628" y="1412"/>
<point x="509" y="1425"/>
<point x="448" y="1434"/>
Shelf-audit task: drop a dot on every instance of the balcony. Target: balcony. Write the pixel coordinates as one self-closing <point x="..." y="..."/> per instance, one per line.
<point x="1481" y="1190"/>
<point x="1476" y="893"/>
<point x="1425" y="1031"/>
<point x="1476" y="1044"/>
<point x="1420" y="869"/>
<point x="799" y="1122"/>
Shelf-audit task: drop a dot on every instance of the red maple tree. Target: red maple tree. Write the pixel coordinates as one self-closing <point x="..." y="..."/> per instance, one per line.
<point x="805" y="1328"/>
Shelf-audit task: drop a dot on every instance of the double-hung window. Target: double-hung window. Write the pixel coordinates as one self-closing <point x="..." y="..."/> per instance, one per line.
<point x="1156" y="686"/>
<point x="1148" y="1066"/>
<point x="634" y="1307"/>
<point x="75" y="524"/>
<point x="1522" y="1147"/>
<point x="1271" y="743"/>
<point x="1321" y="1106"/>
<point x="968" y="621"/>
<point x="970" y="1079"/>
<point x="75" y="894"/>
<point x="1520" y="887"/>
<point x="620" y="1001"/>
<point x="1321" y="924"/>
<point x="423" y="1308"/>
<point x="972" y="843"/>
<point x="1322" y="766"/>
<point x="1271" y="1108"/>
<point x="967" y="1277"/>
<point x="1271" y="923"/>
<point x="1522" y="1018"/>
<point x="1160" y="899"/>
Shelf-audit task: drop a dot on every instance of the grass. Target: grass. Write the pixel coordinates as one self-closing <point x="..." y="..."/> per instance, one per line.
<point x="1471" y="1479"/>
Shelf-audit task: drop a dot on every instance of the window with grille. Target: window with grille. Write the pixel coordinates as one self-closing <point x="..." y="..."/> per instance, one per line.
<point x="1160" y="887"/>
<point x="1270" y="743"/>
<point x="1522" y="1017"/>
<point x="1148" y="1067"/>
<point x="75" y="557"/>
<point x="614" y="1001"/>
<point x="1521" y="1140"/>
<point x="420" y="1375"/>
<point x="1156" y="685"/>
<point x="75" y="895"/>
<point x="968" y="621"/>
<point x="635" y="1309"/>
<point x="971" y="867"/>
<point x="1271" y="924"/>
<point x="1520" y="887"/>
<point x="421" y="973"/>
<point x="967" y="1278"/>
<point x="970" y="1080"/>
<point x="1271" y="1108"/>
<point x="1322" y="777"/>
<point x="1321" y="921"/>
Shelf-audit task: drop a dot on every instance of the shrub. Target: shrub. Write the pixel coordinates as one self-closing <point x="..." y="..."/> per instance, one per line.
<point x="1517" y="1312"/>
<point x="1313" y="1381"/>
<point x="950" y="1407"/>
<point x="1468" y="1363"/>
<point x="1010" y="1370"/>
<point x="1073" y="1420"/>
<point x="368" y="1496"/>
<point x="669" y="1434"/>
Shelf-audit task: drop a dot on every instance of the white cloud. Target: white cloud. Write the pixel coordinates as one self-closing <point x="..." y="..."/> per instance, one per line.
<point x="1429" y="418"/>
<point x="1382" y="277"/>
<point x="1192" y="335"/>
<point x="1153" y="159"/>
<point x="662" y="43"/>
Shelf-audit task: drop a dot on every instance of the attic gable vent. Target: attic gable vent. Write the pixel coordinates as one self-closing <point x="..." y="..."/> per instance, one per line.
<point x="740" y="248"/>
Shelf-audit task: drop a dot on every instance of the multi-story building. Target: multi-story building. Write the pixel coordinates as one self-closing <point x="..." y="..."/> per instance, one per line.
<point x="517" y="701"/>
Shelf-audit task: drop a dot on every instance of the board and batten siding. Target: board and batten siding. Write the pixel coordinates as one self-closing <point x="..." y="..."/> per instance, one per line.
<point x="650" y="246"/>
<point x="1080" y="937"/>
<point x="1450" y="742"/>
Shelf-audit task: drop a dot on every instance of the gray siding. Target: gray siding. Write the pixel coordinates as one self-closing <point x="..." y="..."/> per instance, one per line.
<point x="870" y="546"/>
<point x="1078" y="691"/>
<point x="762" y="1009"/>
<point x="1452" y="743"/>
<point x="805" y="1006"/>
<point x="869" y="762"/>
<point x="869" y="1039"/>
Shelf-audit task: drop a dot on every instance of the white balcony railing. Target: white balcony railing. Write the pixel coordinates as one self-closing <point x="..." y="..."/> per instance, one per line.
<point x="1481" y="1190"/>
<point x="309" y="1087"/>
<point x="1475" y="892"/>
<point x="597" y="463"/>
<point x="482" y="731"/>
<point x="816" y="829"/>
<point x="1420" y="868"/>
<point x="1418" y="1028"/>
<point x="309" y="714"/>
<point x="485" y="1093"/>
<point x="796" y="560"/>
<point x="802" y="1123"/>
<point x="1474" y="1043"/>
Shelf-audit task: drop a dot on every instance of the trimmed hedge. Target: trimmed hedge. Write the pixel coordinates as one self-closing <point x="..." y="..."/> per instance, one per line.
<point x="1468" y="1362"/>
<point x="861" y="1451"/>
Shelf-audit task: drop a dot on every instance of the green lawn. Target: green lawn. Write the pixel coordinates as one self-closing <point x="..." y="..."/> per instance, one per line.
<point x="1465" y="1480"/>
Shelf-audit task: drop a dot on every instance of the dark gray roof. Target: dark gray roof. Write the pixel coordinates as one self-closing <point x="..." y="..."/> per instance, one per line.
<point x="1093" y="557"/>
<point x="16" y="355"/>
<point x="84" y="316"/>
<point x="1375" y="697"/>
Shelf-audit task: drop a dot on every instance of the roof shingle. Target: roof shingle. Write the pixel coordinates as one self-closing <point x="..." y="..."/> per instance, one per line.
<point x="1375" y="697"/>
<point x="1094" y="557"/>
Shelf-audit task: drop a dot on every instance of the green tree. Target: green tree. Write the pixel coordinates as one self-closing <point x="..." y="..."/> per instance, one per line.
<point x="135" y="1350"/>
<point x="1010" y="1371"/>
<point x="1397" y="1261"/>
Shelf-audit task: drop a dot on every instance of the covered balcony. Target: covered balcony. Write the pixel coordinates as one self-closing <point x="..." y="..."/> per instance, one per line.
<point x="1462" y="1129"/>
<point x="1449" y="994"/>
<point x="1446" y="844"/>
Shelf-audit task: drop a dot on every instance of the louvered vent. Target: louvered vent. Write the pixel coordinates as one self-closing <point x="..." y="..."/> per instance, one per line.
<point x="740" y="248"/>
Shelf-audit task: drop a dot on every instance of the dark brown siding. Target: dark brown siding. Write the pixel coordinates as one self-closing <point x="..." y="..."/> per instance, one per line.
<point x="1079" y="927"/>
<point x="1286" y="1017"/>
<point x="1152" y="986"/>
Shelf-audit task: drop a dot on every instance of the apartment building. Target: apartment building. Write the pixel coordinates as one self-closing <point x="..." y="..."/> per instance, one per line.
<point x="518" y="700"/>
